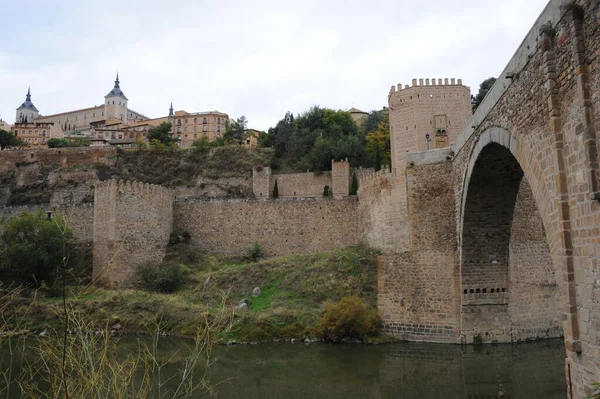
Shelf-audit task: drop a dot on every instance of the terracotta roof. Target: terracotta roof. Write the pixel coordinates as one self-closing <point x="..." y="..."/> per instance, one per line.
<point x="356" y="111"/>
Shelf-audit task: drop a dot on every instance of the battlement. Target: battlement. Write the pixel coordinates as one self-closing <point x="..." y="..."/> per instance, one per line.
<point x="134" y="188"/>
<point x="427" y="82"/>
<point x="367" y="178"/>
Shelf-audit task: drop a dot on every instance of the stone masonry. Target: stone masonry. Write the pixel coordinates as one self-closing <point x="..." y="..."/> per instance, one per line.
<point x="504" y="231"/>
<point x="132" y="224"/>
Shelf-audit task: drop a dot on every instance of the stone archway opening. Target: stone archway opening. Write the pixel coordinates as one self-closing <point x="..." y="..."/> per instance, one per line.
<point x="508" y="282"/>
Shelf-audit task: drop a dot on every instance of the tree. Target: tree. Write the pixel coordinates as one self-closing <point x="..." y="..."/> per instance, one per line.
<point x="373" y="119"/>
<point x="354" y="185"/>
<point x="234" y="131"/>
<point x="275" y="190"/>
<point x="377" y="162"/>
<point x="58" y="143"/>
<point x="8" y="140"/>
<point x="162" y="133"/>
<point x="378" y="144"/>
<point x="34" y="247"/>
<point x="484" y="87"/>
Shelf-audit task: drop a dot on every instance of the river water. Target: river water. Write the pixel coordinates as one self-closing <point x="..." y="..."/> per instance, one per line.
<point x="403" y="370"/>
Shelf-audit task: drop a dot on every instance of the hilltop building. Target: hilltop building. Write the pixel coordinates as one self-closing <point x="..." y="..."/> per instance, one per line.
<point x="189" y="127"/>
<point x="79" y="121"/>
<point x="4" y="125"/>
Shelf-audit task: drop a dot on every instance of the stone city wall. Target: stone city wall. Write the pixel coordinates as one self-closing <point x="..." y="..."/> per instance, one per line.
<point x="303" y="185"/>
<point x="132" y="224"/>
<point x="281" y="227"/>
<point x="64" y="157"/>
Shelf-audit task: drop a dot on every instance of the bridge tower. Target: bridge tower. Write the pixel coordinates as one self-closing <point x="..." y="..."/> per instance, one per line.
<point x="428" y="114"/>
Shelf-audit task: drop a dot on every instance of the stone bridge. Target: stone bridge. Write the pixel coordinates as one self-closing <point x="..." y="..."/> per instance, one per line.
<point x="500" y="241"/>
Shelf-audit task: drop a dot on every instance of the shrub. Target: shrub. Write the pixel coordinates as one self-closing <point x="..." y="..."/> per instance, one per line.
<point x="254" y="252"/>
<point x="34" y="247"/>
<point x="326" y="191"/>
<point x="58" y="143"/>
<point x="348" y="319"/>
<point x="165" y="277"/>
<point x="594" y="391"/>
<point x="354" y="185"/>
<point x="179" y="237"/>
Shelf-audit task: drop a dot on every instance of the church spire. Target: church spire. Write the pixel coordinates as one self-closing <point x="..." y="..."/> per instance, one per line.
<point x="171" y="109"/>
<point x="116" y="91"/>
<point x="28" y="94"/>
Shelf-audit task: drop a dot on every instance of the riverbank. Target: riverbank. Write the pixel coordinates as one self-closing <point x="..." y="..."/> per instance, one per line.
<point x="292" y="298"/>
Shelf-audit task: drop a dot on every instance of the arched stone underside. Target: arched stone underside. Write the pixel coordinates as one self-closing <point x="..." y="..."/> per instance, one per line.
<point x="508" y="286"/>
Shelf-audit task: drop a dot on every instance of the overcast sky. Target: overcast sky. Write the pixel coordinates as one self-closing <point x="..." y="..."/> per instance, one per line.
<point x="254" y="58"/>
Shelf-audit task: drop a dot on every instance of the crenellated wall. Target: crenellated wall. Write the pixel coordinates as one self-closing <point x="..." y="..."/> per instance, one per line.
<point x="132" y="224"/>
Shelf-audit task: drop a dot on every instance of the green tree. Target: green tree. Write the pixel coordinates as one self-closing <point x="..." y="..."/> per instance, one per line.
<point x="373" y="120"/>
<point x="484" y="87"/>
<point x="34" y="247"/>
<point x="8" y="140"/>
<point x="354" y="185"/>
<point x="378" y="144"/>
<point x="377" y="161"/>
<point x="58" y="143"/>
<point x="312" y="139"/>
<point x="275" y="190"/>
<point x="162" y="133"/>
<point x="234" y="131"/>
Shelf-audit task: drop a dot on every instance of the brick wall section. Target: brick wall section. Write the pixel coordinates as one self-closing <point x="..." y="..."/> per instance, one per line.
<point x="281" y="227"/>
<point x="132" y="223"/>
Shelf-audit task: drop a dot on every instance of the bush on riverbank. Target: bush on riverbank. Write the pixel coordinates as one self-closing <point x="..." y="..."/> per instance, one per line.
<point x="34" y="248"/>
<point x="165" y="278"/>
<point x="348" y="320"/>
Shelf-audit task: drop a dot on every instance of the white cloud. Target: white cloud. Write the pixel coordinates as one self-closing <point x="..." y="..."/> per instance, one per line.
<point x="258" y="58"/>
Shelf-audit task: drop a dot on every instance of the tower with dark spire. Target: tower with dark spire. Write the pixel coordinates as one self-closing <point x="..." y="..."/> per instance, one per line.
<point x="115" y="103"/>
<point x="27" y="112"/>
<point x="171" y="110"/>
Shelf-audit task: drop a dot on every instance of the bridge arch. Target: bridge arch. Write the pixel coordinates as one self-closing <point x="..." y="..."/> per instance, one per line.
<point x="508" y="279"/>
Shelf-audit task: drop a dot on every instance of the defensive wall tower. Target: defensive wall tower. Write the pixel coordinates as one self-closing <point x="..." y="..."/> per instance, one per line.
<point x="439" y="108"/>
<point x="340" y="178"/>
<point x="132" y="224"/>
<point x="261" y="181"/>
